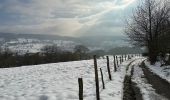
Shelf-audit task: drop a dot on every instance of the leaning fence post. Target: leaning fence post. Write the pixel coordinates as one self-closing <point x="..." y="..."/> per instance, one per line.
<point x="96" y="78"/>
<point x="80" y="81"/>
<point x="108" y="68"/>
<point x="102" y="78"/>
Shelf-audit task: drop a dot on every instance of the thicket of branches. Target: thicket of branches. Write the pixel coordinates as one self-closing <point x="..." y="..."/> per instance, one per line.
<point x="150" y="27"/>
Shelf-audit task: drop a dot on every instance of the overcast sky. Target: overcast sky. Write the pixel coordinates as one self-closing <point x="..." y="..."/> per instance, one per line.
<point x="65" y="17"/>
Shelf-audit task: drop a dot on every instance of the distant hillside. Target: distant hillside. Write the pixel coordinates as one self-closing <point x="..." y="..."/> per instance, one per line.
<point x="125" y="50"/>
<point x="9" y="36"/>
<point x="34" y="42"/>
<point x="104" y="42"/>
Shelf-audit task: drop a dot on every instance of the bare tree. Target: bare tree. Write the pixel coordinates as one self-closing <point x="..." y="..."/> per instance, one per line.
<point x="0" y="50"/>
<point x="50" y="49"/>
<point x="148" y="24"/>
<point x="81" y="50"/>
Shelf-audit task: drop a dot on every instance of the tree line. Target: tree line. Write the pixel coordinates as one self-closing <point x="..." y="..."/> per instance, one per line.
<point x="48" y="54"/>
<point x="53" y="54"/>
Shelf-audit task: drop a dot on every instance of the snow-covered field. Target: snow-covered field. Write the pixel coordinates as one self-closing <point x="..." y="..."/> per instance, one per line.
<point x="162" y="71"/>
<point x="59" y="81"/>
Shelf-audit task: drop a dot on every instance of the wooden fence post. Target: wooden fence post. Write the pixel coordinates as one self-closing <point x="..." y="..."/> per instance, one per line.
<point x="108" y="68"/>
<point x="80" y="81"/>
<point x="102" y="78"/>
<point x="122" y="59"/>
<point x="96" y="78"/>
<point x="117" y="61"/>
<point x="128" y="57"/>
<point x="115" y="67"/>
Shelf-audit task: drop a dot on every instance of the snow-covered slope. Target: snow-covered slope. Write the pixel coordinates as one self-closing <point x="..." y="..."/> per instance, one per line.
<point x="32" y="43"/>
<point x="59" y="81"/>
<point x="23" y="45"/>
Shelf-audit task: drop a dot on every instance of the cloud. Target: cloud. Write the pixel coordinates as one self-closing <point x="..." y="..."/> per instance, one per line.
<point x="62" y="17"/>
<point x="110" y="23"/>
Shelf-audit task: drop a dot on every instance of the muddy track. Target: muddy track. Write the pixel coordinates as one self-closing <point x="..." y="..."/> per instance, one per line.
<point x="136" y="89"/>
<point x="160" y="85"/>
<point x="130" y="90"/>
<point x="138" y="95"/>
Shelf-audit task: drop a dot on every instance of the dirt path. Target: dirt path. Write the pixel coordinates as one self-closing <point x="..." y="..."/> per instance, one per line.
<point x="161" y="86"/>
<point x="139" y="84"/>
<point x="131" y="91"/>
